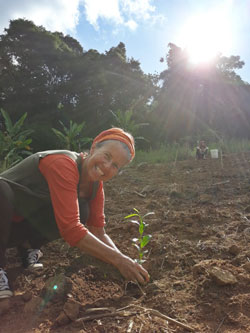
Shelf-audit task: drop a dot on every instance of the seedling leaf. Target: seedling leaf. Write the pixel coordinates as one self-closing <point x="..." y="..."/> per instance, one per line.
<point x="134" y="221"/>
<point x="137" y="246"/>
<point x="149" y="213"/>
<point x="145" y="240"/>
<point x="131" y="215"/>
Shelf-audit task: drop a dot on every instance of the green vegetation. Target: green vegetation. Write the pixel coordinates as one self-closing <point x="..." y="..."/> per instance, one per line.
<point x="69" y="95"/>
<point x="125" y="120"/>
<point x="72" y="138"/>
<point x="173" y="152"/>
<point x="164" y="154"/>
<point x="14" y="141"/>
<point x="143" y="240"/>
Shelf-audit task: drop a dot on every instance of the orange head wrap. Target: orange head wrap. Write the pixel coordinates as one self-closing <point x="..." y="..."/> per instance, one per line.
<point x="119" y="135"/>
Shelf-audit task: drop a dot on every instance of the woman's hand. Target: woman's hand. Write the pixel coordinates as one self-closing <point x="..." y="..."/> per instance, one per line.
<point x="131" y="270"/>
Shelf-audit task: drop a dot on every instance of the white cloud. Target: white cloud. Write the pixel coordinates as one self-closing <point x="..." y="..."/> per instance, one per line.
<point x="131" y="24"/>
<point x="127" y="13"/>
<point x="96" y="9"/>
<point x="55" y="15"/>
<point x="63" y="15"/>
<point x="141" y="9"/>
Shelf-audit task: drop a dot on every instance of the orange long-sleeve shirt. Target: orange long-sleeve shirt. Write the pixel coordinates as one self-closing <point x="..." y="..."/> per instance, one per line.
<point x="62" y="176"/>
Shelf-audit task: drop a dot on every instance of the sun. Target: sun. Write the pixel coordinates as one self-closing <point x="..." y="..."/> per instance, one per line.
<point x="205" y="35"/>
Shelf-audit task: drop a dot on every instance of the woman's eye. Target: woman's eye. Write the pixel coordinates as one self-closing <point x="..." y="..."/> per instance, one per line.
<point x="107" y="156"/>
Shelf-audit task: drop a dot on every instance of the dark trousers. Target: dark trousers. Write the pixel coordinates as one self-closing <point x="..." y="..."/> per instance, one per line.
<point x="6" y="214"/>
<point x="201" y="154"/>
<point x="38" y="229"/>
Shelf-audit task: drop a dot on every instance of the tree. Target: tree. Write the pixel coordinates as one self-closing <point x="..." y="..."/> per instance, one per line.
<point x="35" y="69"/>
<point x="41" y="70"/>
<point x="193" y="99"/>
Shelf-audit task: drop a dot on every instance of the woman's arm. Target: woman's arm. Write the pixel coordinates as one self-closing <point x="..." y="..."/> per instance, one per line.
<point x="131" y="270"/>
<point x="101" y="234"/>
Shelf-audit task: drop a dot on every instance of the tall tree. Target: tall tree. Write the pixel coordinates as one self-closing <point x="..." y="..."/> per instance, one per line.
<point x="34" y="69"/>
<point x="193" y="99"/>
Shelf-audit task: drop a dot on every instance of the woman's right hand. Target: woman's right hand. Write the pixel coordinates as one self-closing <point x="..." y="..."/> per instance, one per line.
<point x="131" y="270"/>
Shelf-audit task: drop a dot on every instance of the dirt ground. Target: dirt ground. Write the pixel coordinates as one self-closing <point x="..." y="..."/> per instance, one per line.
<point x="198" y="259"/>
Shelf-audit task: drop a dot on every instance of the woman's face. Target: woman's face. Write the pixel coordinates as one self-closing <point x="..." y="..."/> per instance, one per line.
<point x="104" y="162"/>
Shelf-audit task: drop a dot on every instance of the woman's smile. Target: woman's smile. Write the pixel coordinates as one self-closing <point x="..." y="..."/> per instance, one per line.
<point x="104" y="162"/>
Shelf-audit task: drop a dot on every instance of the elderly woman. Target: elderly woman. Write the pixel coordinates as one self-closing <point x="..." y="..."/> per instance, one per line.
<point x="55" y="193"/>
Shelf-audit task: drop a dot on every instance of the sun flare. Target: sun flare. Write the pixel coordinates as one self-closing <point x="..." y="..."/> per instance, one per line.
<point x="205" y="35"/>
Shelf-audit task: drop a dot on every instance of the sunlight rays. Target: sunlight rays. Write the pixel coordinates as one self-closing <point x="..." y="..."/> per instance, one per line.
<point x="207" y="34"/>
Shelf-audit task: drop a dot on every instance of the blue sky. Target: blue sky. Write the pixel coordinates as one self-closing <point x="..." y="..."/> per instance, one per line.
<point x="146" y="27"/>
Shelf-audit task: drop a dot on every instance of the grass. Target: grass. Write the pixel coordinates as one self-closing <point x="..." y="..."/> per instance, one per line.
<point x="164" y="154"/>
<point x="178" y="152"/>
<point x="173" y="152"/>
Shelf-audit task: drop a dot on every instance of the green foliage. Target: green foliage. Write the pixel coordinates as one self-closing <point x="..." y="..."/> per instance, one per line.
<point x="42" y="70"/>
<point x="230" y="145"/>
<point x="178" y="152"/>
<point x="143" y="240"/>
<point x="43" y="138"/>
<point x="14" y="141"/>
<point x="164" y="154"/>
<point x="71" y="137"/>
<point x="125" y="120"/>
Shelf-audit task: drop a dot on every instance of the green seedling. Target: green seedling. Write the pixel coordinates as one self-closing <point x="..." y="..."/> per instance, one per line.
<point x="143" y="240"/>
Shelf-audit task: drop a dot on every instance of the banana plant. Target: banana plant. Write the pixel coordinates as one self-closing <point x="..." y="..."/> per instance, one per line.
<point x="125" y="120"/>
<point x="71" y="137"/>
<point x="14" y="141"/>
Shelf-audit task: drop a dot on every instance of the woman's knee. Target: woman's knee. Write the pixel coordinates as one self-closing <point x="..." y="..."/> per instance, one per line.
<point x="6" y="192"/>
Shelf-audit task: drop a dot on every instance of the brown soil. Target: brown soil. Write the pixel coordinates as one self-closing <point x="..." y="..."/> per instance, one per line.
<point x="198" y="259"/>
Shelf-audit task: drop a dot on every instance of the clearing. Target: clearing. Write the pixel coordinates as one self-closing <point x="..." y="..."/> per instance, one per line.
<point x="199" y="258"/>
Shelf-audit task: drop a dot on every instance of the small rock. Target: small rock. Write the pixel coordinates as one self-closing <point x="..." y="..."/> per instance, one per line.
<point x="246" y="266"/>
<point x="222" y="277"/>
<point x="198" y="269"/>
<point x="71" y="309"/>
<point x="62" y="319"/>
<point x="234" y="249"/>
<point x="56" y="287"/>
<point x="205" y="198"/>
<point x="147" y="189"/>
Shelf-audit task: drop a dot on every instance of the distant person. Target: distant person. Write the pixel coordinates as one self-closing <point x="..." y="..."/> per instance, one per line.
<point x="59" y="193"/>
<point x="201" y="150"/>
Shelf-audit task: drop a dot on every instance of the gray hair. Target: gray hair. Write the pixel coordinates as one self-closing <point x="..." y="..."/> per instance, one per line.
<point x="125" y="147"/>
